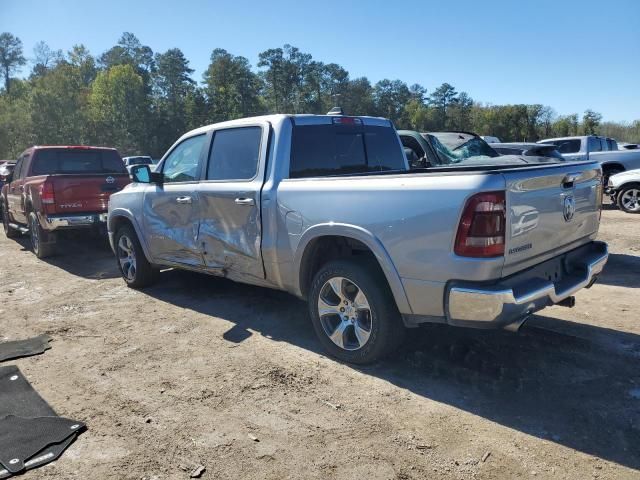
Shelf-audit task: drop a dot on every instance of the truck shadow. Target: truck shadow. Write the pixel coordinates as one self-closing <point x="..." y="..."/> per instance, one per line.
<point x="573" y="384"/>
<point x="82" y="254"/>
<point x="622" y="270"/>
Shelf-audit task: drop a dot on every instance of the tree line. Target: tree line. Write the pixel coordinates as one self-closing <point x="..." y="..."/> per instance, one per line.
<point x="140" y="102"/>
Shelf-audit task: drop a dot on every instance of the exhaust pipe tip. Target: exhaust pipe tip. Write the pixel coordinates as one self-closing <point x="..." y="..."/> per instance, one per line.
<point x="569" y="302"/>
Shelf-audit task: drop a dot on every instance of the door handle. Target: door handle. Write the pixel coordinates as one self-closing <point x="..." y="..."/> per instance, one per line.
<point x="183" y="200"/>
<point x="245" y="201"/>
<point x="569" y="179"/>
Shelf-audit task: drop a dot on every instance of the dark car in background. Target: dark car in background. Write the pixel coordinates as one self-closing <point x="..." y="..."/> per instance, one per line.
<point x="538" y="151"/>
<point x="444" y="149"/>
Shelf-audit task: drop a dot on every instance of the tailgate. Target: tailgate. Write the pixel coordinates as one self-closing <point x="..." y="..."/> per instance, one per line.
<point x="550" y="210"/>
<point x="85" y="193"/>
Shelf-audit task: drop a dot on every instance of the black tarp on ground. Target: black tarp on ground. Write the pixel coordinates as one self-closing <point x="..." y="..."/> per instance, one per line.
<point x="24" y="348"/>
<point x="19" y="399"/>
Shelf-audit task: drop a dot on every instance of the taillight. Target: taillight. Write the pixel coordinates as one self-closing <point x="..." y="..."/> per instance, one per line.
<point x="481" y="230"/>
<point x="346" y="121"/>
<point x="47" y="195"/>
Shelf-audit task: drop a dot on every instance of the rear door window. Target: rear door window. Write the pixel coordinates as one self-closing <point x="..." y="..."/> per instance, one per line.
<point x="594" y="144"/>
<point x="335" y="149"/>
<point x="63" y="161"/>
<point x="234" y="154"/>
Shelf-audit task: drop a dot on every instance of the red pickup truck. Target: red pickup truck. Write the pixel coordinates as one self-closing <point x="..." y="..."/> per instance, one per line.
<point x="55" y="188"/>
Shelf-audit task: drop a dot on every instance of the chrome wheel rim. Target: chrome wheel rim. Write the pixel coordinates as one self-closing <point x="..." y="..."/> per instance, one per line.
<point x="35" y="235"/>
<point x="127" y="258"/>
<point x="345" y="314"/>
<point x="631" y="199"/>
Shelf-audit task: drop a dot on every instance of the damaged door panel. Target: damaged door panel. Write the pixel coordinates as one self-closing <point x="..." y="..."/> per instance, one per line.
<point x="171" y="209"/>
<point x="230" y="224"/>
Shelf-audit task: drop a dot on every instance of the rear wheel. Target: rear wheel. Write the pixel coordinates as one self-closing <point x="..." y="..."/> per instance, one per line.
<point x="629" y="199"/>
<point x="38" y="235"/>
<point x="9" y="231"/>
<point x="136" y="270"/>
<point x="353" y="312"/>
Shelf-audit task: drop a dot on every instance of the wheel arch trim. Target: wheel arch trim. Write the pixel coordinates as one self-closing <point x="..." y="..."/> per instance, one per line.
<point x="367" y="238"/>
<point x="123" y="213"/>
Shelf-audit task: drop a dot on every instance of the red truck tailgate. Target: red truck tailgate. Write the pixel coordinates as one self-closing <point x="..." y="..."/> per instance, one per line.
<point x="84" y="193"/>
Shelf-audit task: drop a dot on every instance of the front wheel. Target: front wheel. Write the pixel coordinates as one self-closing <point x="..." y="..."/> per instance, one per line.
<point x="629" y="199"/>
<point x="353" y="312"/>
<point x="134" y="267"/>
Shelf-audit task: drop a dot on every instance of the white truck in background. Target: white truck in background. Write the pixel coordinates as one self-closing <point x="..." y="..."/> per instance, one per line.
<point x="601" y="149"/>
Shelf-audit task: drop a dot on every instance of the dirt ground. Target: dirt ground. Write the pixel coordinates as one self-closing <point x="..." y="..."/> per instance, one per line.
<point x="202" y="371"/>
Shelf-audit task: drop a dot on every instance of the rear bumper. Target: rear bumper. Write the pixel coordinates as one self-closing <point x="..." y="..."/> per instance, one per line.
<point x="58" y="222"/>
<point x="509" y="302"/>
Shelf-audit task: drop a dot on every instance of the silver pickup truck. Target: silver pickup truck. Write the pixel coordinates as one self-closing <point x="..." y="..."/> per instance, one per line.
<point x="325" y="207"/>
<point x="597" y="149"/>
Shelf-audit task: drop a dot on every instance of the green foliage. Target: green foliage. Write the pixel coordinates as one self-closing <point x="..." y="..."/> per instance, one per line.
<point x="441" y="99"/>
<point x="390" y="97"/>
<point x="231" y="88"/>
<point x="11" y="58"/>
<point x="118" y="109"/>
<point x="57" y="104"/>
<point x="141" y="102"/>
<point x="15" y="120"/>
<point x="590" y="122"/>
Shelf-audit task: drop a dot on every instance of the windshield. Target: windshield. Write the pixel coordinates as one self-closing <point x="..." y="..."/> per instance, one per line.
<point x="453" y="148"/>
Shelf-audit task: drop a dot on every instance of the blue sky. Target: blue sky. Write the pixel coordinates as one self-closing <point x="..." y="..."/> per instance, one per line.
<point x="569" y="54"/>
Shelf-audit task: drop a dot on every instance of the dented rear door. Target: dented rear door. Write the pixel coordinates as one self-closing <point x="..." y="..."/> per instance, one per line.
<point x="230" y="199"/>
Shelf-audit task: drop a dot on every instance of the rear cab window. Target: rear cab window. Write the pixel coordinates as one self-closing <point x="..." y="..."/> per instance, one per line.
<point x="346" y="146"/>
<point x="76" y="161"/>
<point x="566" y="146"/>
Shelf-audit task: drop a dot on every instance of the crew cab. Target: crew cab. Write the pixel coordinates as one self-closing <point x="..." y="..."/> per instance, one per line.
<point x="326" y="208"/>
<point x="54" y="188"/>
<point x="600" y="149"/>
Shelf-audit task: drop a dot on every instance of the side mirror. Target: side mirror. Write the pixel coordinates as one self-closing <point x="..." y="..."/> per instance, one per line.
<point x="140" y="174"/>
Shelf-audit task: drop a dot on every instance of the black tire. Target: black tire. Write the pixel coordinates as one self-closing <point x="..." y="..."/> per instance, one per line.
<point x="37" y="234"/>
<point x="9" y="231"/>
<point x="608" y="173"/>
<point x="623" y="203"/>
<point x="385" y="330"/>
<point x="143" y="273"/>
